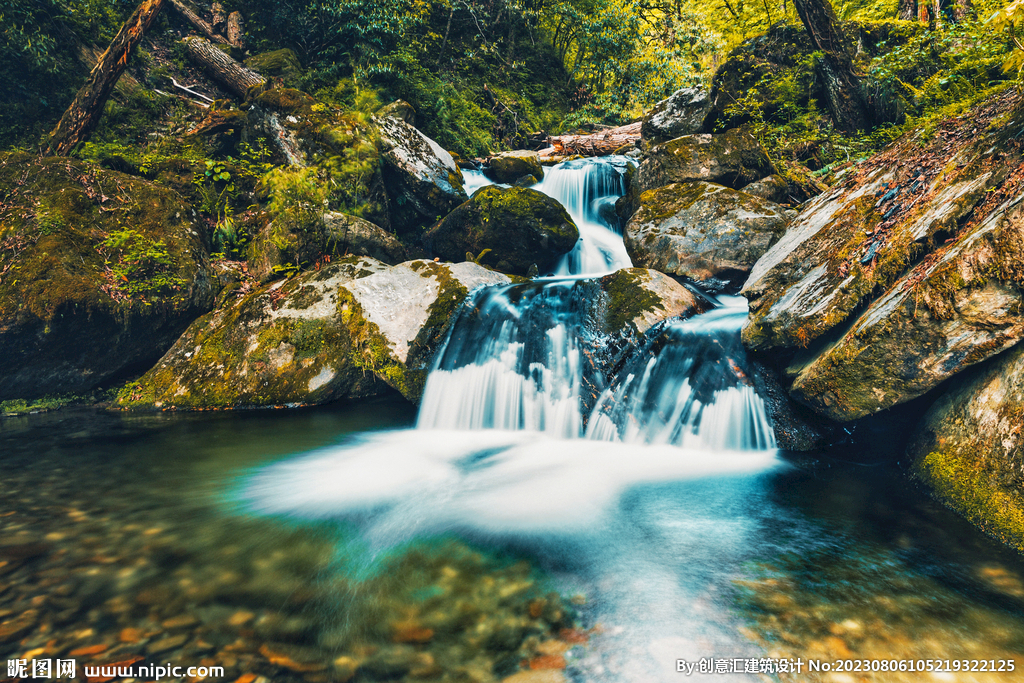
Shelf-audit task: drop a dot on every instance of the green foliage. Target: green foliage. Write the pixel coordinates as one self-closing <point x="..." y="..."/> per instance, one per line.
<point x="139" y="266"/>
<point x="1009" y="22"/>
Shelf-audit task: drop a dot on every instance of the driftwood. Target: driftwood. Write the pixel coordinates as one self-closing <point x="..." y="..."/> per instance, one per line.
<point x="221" y="67"/>
<point x="84" y="113"/>
<point x="596" y="144"/>
<point x="191" y="17"/>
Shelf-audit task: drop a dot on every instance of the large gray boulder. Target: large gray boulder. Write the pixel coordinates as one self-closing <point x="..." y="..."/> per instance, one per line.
<point x="351" y="235"/>
<point x="519" y="165"/>
<point x="969" y="449"/>
<point x="705" y="232"/>
<point x="510" y="229"/>
<point x="904" y="275"/>
<point x="680" y="114"/>
<point x="350" y="330"/>
<point x="423" y="180"/>
<point x="734" y="159"/>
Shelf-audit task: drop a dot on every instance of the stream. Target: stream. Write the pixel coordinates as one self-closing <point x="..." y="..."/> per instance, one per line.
<point x="532" y="522"/>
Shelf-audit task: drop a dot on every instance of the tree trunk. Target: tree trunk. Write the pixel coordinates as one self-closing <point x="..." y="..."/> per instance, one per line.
<point x="84" y="113"/>
<point x="959" y="9"/>
<point x="842" y="85"/>
<point x="907" y="10"/>
<point x="220" y="17"/>
<point x="191" y="17"/>
<point x="221" y="67"/>
<point x="236" y="32"/>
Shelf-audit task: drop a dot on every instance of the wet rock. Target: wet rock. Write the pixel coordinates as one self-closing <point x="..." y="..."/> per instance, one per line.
<point x="397" y="317"/>
<point x="166" y="644"/>
<point x="734" y="159"/>
<point x="539" y="676"/>
<point x="632" y="300"/>
<point x="284" y="343"/>
<point x="354" y="236"/>
<point x="390" y="662"/>
<point x="423" y="180"/>
<point x="15" y="628"/>
<point x="680" y="114"/>
<point x="969" y="448"/>
<point x="512" y="167"/>
<point x="509" y="229"/>
<point x="702" y="231"/>
<point x="96" y="283"/>
<point x="399" y="109"/>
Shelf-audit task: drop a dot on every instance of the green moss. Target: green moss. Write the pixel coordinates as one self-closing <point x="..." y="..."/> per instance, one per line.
<point x="370" y="349"/>
<point x="628" y="299"/>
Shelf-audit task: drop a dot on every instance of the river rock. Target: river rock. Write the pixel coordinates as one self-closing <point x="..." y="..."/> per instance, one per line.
<point x="773" y="188"/>
<point x="282" y="344"/>
<point x="734" y="159"/>
<point x="680" y="114"/>
<point x="969" y="448"/>
<point x="708" y="233"/>
<point x="99" y="273"/>
<point x="921" y="247"/>
<point x="509" y="229"/>
<point x="519" y="167"/>
<point x="423" y="180"/>
<point x="635" y="299"/>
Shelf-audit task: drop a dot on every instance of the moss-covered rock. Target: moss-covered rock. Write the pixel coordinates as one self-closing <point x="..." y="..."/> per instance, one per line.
<point x="680" y="114"/>
<point x="280" y="64"/>
<point x="705" y="232"/>
<point x="283" y="344"/>
<point x="423" y="180"/>
<point x="399" y="109"/>
<point x="773" y="188"/>
<point x="99" y="274"/>
<point x="518" y="167"/>
<point x="349" y="330"/>
<point x="733" y="159"/>
<point x="509" y="229"/>
<point x="635" y="299"/>
<point x="352" y="235"/>
<point x="969" y="449"/>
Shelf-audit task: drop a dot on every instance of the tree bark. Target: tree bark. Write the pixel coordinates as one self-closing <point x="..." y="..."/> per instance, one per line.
<point x="959" y="9"/>
<point x="191" y="17"/>
<point x="844" y="97"/>
<point x="220" y="17"/>
<point x="907" y="10"/>
<point x="236" y="31"/>
<point x="84" y="113"/>
<point x="221" y="67"/>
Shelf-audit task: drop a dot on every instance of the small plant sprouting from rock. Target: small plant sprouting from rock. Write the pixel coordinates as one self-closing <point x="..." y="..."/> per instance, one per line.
<point x="138" y="266"/>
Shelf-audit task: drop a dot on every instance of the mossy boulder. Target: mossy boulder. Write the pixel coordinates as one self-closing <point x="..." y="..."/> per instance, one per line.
<point x="773" y="188"/>
<point x="423" y="180"/>
<point x="969" y="449"/>
<point x="705" y="232"/>
<point x="282" y="344"/>
<point x="680" y="114"/>
<point x="358" y="237"/>
<point x="350" y="330"/>
<point x="635" y="299"/>
<point x="733" y="159"/>
<point x="521" y="167"/>
<point x="853" y="243"/>
<point x="510" y="229"/>
<point x="282" y="64"/>
<point x="399" y="109"/>
<point x="99" y="273"/>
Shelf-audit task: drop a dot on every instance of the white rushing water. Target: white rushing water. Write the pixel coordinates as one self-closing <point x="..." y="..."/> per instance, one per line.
<point x="521" y="435"/>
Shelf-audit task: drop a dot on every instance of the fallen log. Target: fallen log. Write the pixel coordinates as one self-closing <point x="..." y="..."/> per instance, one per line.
<point x="85" y="110"/>
<point x="594" y="144"/>
<point x="221" y="67"/>
<point x="191" y="17"/>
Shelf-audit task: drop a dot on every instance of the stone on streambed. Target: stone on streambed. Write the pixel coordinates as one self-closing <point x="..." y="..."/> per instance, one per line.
<point x="969" y="448"/>
<point x="734" y="159"/>
<point x="510" y="167"/>
<point x="633" y="300"/>
<point x="705" y="232"/>
<point x="99" y="273"/>
<point x="423" y="180"/>
<point x="509" y="229"/>
<point x="682" y="113"/>
<point x="347" y="331"/>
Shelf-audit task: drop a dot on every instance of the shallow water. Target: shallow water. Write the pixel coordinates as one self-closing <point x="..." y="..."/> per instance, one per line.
<point x="254" y="540"/>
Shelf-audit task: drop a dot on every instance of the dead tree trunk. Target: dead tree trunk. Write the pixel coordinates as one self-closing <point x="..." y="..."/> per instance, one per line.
<point x="84" y="113"/>
<point x="907" y="10"/>
<point x="191" y="17"/>
<point x="221" y="67"/>
<point x="842" y="85"/>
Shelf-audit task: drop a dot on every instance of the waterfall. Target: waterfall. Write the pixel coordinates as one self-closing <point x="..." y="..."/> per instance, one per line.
<point x="518" y="357"/>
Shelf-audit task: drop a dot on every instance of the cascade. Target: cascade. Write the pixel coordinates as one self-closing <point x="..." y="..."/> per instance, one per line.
<point x="518" y="356"/>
